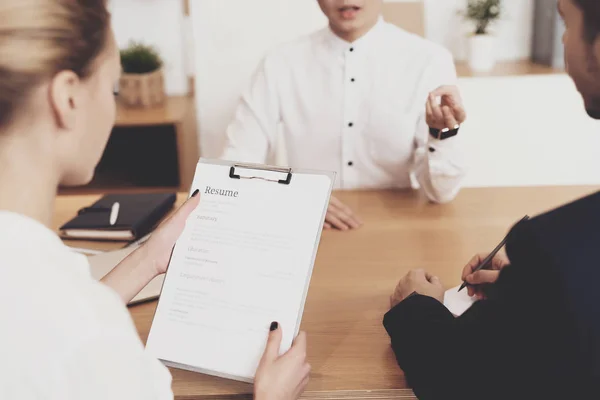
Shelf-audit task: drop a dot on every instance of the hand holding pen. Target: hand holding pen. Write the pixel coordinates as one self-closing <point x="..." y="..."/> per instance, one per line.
<point x="478" y="280"/>
<point x="484" y="269"/>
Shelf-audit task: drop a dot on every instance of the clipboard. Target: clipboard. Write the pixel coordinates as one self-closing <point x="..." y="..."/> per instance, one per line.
<point x="236" y="239"/>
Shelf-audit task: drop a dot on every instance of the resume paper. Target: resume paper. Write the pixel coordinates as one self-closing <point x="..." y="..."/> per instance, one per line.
<point x="244" y="260"/>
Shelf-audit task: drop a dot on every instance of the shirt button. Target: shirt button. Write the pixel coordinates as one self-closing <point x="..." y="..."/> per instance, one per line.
<point x="352" y="80"/>
<point x="351" y="48"/>
<point x="350" y="163"/>
<point x="350" y="124"/>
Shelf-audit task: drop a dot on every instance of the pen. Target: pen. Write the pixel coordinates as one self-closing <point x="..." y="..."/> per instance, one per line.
<point x="114" y="213"/>
<point x="491" y="256"/>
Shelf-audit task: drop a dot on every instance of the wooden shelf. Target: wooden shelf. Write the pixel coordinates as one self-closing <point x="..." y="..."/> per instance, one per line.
<point x="150" y="150"/>
<point x="173" y="111"/>
<point x="510" y="68"/>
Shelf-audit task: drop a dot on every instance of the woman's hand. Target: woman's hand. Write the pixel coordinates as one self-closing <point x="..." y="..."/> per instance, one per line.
<point x="152" y="258"/>
<point x="157" y="250"/>
<point x="282" y="377"/>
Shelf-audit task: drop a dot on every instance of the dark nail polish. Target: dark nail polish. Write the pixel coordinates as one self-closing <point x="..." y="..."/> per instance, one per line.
<point x="195" y="192"/>
<point x="274" y="326"/>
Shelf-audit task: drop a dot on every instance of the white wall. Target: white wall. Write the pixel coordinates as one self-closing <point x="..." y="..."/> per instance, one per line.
<point x="505" y="132"/>
<point x="159" y="23"/>
<point x="513" y="31"/>
<point x="527" y="131"/>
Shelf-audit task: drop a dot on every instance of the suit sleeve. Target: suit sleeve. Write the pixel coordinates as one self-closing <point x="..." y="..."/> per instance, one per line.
<point x="518" y="341"/>
<point x="436" y="351"/>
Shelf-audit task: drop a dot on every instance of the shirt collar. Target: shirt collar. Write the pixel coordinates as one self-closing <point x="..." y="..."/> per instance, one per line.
<point x="339" y="45"/>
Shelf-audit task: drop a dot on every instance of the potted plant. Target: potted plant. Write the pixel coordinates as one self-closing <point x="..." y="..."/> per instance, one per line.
<point x="142" y="82"/>
<point x="481" y="43"/>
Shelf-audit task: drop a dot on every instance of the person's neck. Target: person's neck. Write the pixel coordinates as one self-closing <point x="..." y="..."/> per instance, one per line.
<point x="356" y="34"/>
<point x="28" y="183"/>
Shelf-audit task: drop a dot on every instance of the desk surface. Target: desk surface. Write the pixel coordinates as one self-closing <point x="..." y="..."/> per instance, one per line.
<point x="355" y="273"/>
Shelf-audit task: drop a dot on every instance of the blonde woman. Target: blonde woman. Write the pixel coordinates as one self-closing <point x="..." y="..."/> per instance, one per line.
<point x="63" y="335"/>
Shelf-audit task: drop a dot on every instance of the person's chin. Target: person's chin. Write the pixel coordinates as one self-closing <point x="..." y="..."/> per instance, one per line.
<point x="593" y="112"/>
<point x="348" y="25"/>
<point x="592" y="106"/>
<point x="77" y="179"/>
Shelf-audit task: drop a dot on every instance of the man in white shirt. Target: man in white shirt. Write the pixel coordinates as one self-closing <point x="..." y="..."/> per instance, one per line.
<point x="362" y="98"/>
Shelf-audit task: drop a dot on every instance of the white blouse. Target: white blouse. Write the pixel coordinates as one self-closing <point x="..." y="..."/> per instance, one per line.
<point x="64" y="335"/>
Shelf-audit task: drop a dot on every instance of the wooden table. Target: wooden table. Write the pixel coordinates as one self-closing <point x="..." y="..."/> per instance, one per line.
<point x="355" y="273"/>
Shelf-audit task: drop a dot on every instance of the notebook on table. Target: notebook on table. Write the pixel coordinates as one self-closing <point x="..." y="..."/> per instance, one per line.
<point x="119" y="217"/>
<point x="245" y="259"/>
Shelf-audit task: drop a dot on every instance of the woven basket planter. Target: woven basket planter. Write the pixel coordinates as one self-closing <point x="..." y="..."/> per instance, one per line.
<point x="142" y="90"/>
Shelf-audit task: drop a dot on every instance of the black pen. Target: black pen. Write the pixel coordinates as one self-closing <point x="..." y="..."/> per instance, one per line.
<point x="491" y="256"/>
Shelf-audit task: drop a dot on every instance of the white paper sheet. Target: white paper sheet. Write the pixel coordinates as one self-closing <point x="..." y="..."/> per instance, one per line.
<point x="458" y="302"/>
<point x="244" y="260"/>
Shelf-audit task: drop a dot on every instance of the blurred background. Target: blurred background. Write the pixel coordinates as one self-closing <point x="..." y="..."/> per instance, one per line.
<point x="520" y="103"/>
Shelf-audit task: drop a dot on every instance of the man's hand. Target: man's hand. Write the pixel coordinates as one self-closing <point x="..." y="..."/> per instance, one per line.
<point x="417" y="281"/>
<point x="282" y="377"/>
<point x="478" y="280"/>
<point x="449" y="112"/>
<point x="340" y="216"/>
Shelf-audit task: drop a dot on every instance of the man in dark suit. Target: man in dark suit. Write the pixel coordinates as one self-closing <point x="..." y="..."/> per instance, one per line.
<point x="536" y="332"/>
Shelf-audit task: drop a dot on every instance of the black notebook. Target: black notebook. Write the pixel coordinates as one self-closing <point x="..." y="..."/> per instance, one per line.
<point x="119" y="217"/>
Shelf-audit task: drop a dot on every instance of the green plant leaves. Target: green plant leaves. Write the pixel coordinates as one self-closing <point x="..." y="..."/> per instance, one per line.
<point x="139" y="58"/>
<point x="483" y="12"/>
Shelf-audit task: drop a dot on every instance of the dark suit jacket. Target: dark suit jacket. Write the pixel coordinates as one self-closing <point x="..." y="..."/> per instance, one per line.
<point x="536" y="337"/>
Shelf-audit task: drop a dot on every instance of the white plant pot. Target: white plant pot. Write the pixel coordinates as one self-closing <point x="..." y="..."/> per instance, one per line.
<point x="481" y="53"/>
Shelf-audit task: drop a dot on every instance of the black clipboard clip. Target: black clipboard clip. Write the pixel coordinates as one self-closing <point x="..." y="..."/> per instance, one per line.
<point x="287" y="171"/>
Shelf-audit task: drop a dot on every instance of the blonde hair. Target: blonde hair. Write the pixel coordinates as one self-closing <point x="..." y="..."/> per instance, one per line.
<point x="39" y="38"/>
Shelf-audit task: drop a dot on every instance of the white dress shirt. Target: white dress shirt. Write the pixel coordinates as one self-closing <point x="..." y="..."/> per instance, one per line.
<point x="354" y="108"/>
<point x="63" y="335"/>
